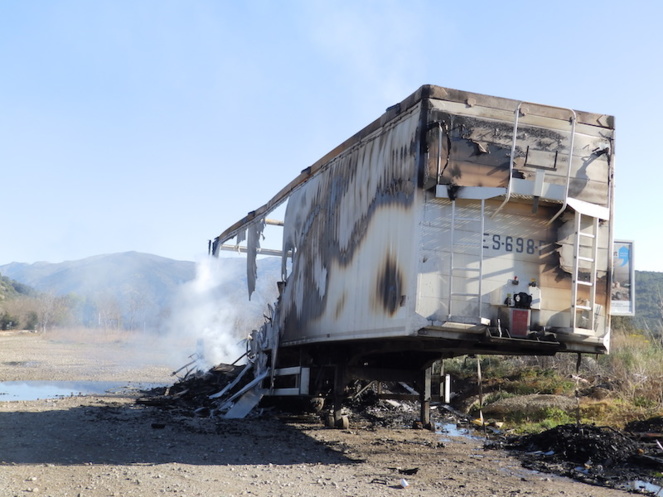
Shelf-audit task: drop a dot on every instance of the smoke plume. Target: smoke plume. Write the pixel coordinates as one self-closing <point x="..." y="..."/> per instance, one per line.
<point x="212" y="316"/>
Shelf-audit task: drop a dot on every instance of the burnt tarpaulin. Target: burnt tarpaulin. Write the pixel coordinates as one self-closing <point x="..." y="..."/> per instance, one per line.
<point x="254" y="233"/>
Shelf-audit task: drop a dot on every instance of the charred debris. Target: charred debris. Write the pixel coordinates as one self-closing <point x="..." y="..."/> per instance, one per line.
<point x="217" y="394"/>
<point x="629" y="459"/>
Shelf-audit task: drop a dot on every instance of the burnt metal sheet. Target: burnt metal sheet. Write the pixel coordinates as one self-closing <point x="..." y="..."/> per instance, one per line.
<point x="370" y="239"/>
<point x="351" y="231"/>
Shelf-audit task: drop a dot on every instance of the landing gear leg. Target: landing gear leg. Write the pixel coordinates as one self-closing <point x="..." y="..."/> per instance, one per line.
<point x="425" y="396"/>
<point x="340" y="381"/>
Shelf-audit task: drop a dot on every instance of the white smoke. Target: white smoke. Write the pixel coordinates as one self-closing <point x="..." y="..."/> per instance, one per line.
<point x="212" y="315"/>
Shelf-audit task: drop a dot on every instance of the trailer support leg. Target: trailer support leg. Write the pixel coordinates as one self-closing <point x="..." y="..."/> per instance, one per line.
<point x="425" y="396"/>
<point x="340" y="380"/>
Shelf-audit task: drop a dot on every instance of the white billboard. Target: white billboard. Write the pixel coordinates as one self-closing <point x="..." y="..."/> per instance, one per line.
<point x="623" y="279"/>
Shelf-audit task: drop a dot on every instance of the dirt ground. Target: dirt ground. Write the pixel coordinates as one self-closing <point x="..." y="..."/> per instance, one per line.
<point x="108" y="445"/>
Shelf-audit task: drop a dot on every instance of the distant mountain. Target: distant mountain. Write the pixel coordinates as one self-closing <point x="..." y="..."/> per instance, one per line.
<point x="132" y="288"/>
<point x="114" y="273"/>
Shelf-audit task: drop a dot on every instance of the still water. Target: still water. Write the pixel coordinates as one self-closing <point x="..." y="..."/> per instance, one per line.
<point x="34" y="390"/>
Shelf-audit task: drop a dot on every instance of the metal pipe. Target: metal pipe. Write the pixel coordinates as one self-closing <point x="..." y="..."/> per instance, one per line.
<point x="260" y="251"/>
<point x="568" y="171"/>
<point x="511" y="158"/>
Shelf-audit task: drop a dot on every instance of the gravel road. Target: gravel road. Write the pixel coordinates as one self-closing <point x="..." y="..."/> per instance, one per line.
<point x="107" y="445"/>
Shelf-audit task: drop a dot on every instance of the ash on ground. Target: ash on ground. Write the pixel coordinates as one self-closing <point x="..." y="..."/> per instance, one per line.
<point x="596" y="455"/>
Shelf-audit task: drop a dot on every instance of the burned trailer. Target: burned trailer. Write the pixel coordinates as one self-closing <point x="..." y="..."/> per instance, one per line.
<point x="454" y="224"/>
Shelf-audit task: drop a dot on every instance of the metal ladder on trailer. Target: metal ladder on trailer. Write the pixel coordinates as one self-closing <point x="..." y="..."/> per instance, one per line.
<point x="584" y="253"/>
<point x="458" y="244"/>
<point x="539" y="188"/>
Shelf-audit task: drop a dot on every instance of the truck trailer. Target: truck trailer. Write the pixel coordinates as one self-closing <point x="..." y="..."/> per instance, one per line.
<point x="455" y="224"/>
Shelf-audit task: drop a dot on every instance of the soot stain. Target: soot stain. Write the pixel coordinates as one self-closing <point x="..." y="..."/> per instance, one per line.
<point x="390" y="285"/>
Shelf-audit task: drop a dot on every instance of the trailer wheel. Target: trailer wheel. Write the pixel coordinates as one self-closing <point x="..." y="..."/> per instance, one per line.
<point x="343" y="423"/>
<point x="317" y="404"/>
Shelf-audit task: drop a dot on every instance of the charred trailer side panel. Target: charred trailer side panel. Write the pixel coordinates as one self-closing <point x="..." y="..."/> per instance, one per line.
<point x="457" y="223"/>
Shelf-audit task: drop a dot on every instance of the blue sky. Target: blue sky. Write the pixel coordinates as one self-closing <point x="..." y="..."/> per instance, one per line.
<point x="153" y="125"/>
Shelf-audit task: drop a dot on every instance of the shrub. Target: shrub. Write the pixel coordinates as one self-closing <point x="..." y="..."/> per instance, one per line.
<point x="7" y="321"/>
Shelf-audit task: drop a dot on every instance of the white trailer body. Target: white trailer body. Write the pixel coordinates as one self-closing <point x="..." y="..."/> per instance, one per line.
<point x="456" y="223"/>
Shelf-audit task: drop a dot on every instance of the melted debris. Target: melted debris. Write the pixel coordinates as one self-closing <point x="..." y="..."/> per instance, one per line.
<point x="583" y="444"/>
<point x="592" y="454"/>
<point x="191" y="394"/>
<point x="651" y="425"/>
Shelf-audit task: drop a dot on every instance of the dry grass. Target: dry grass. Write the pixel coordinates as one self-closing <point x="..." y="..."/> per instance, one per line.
<point x="623" y="386"/>
<point x="635" y="368"/>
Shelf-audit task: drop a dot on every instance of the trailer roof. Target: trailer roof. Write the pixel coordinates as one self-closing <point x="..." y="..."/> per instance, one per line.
<point x="425" y="92"/>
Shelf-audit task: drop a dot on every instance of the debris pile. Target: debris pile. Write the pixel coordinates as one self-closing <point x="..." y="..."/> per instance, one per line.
<point x="370" y="410"/>
<point x="207" y="394"/>
<point x="199" y="392"/>
<point x="583" y="444"/>
<point x="227" y="390"/>
<point x="592" y="454"/>
<point x="652" y="426"/>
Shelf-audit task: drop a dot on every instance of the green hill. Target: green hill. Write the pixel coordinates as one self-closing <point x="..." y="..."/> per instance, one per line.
<point x="10" y="289"/>
<point x="649" y="301"/>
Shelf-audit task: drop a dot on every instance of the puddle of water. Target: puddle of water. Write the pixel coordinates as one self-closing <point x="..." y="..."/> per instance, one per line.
<point x="35" y="390"/>
<point x="452" y="430"/>
<point x="645" y="486"/>
<point x="22" y="364"/>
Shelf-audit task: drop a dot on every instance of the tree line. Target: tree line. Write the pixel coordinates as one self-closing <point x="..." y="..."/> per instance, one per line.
<point x="24" y="308"/>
